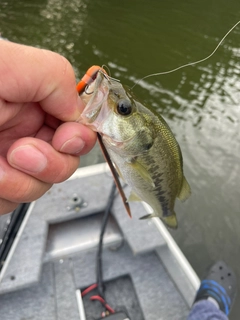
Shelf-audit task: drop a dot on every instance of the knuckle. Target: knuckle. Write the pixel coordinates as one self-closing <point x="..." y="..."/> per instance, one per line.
<point x="30" y="190"/>
<point x="67" y="169"/>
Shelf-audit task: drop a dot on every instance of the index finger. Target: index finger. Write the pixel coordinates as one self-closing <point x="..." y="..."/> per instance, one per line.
<point x="30" y="74"/>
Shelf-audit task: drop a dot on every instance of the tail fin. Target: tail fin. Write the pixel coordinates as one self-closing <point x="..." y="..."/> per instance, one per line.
<point x="171" y="221"/>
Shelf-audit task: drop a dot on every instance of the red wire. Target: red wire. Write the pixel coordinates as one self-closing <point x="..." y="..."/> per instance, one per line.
<point x="103" y="302"/>
<point x="97" y="297"/>
<point x="87" y="290"/>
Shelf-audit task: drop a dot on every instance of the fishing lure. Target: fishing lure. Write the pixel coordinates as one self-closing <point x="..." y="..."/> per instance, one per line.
<point x="86" y="80"/>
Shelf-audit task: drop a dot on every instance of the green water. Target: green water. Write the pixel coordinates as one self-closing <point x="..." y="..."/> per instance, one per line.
<point x="200" y="103"/>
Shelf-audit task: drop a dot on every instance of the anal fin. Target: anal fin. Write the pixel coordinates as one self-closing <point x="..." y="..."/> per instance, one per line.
<point x="169" y="221"/>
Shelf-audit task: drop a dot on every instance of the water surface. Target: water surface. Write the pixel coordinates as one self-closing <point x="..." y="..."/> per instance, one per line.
<point x="200" y="103"/>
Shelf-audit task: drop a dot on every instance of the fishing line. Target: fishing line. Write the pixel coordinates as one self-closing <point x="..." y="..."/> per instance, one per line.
<point x="190" y="63"/>
<point x="105" y="67"/>
<point x="107" y="75"/>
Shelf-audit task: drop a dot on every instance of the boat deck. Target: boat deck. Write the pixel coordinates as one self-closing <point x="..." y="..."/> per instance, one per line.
<point x="53" y="258"/>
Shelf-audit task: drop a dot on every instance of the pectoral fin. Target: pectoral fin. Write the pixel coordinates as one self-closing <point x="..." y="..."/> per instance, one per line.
<point x="185" y="190"/>
<point x="142" y="172"/>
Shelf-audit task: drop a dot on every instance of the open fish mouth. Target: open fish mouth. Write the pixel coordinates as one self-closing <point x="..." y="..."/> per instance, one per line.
<point x="96" y="108"/>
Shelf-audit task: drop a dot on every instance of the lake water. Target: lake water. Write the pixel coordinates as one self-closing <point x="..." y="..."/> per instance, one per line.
<point x="201" y="103"/>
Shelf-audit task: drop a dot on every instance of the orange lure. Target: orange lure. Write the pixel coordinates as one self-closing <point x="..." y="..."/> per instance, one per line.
<point x="88" y="78"/>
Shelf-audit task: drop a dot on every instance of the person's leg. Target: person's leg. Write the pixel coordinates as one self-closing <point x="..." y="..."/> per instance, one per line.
<point x="215" y="295"/>
<point x="206" y="310"/>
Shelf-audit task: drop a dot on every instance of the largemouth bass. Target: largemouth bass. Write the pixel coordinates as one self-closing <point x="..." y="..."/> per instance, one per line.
<point x="141" y="145"/>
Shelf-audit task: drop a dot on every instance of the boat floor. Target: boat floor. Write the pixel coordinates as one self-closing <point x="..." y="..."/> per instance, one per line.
<point x="53" y="258"/>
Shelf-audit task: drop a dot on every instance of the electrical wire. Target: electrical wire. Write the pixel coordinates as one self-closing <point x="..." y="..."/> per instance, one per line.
<point x="99" y="273"/>
<point x="106" y="215"/>
<point x="89" y="289"/>
<point x="103" y="302"/>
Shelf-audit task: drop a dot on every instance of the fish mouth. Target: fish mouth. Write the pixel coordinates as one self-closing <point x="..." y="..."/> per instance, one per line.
<point x="95" y="110"/>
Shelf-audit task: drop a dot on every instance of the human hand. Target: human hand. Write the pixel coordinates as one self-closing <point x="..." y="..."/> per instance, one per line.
<point x="40" y="139"/>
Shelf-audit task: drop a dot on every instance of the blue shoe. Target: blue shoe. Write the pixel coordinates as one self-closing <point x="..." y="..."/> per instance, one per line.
<point x="221" y="285"/>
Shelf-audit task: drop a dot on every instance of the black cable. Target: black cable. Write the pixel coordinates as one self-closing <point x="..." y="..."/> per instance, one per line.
<point x="100" y="244"/>
<point x="17" y="217"/>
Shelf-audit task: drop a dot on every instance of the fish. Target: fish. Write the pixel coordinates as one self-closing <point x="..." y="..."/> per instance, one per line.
<point x="140" y="144"/>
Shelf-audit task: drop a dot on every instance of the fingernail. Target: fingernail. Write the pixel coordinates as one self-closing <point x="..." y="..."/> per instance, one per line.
<point x="73" y="146"/>
<point x="28" y="158"/>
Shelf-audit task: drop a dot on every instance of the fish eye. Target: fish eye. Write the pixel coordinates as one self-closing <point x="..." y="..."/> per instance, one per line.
<point x="124" y="107"/>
